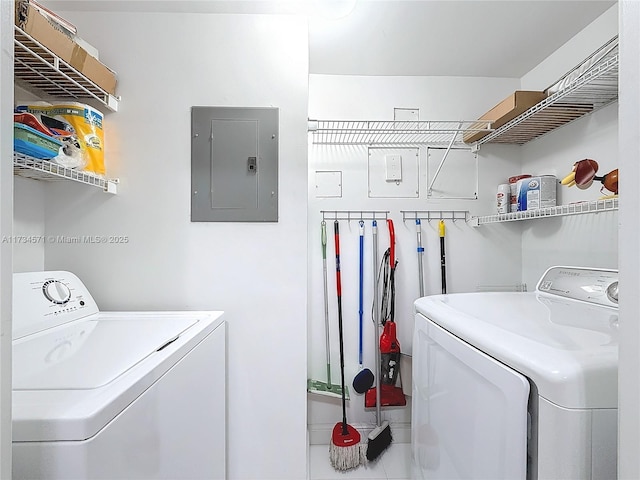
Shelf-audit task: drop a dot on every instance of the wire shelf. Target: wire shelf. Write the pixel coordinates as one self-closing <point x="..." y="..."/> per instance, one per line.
<point x="595" y="206"/>
<point x="36" y="67"/>
<point x="587" y="92"/>
<point x="37" y="169"/>
<point x="364" y="132"/>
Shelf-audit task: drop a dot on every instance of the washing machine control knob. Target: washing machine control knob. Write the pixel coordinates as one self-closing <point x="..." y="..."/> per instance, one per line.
<point x="612" y="292"/>
<point x="56" y="292"/>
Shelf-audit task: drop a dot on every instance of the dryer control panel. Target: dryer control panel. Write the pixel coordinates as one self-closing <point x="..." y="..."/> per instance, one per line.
<point x="592" y="285"/>
<point x="42" y="300"/>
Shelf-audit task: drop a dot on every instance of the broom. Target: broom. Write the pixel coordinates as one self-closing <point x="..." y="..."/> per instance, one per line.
<point x="345" y="451"/>
<point x="380" y="437"/>
<point x="318" y="386"/>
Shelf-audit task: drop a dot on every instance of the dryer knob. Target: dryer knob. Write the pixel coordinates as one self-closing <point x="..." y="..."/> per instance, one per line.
<point x="56" y="292"/>
<point x="612" y="292"/>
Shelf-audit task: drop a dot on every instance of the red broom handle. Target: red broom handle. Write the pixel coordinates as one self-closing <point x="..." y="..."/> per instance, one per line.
<point x="336" y="237"/>
<point x="392" y="243"/>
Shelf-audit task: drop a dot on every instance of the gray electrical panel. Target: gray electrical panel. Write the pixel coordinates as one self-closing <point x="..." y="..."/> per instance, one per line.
<point x="234" y="164"/>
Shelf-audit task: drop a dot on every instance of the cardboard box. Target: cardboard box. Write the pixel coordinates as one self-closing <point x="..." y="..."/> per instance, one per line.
<point x="512" y="106"/>
<point x="38" y="27"/>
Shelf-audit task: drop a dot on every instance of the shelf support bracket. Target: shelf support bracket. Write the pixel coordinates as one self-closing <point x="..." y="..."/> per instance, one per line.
<point x="444" y="158"/>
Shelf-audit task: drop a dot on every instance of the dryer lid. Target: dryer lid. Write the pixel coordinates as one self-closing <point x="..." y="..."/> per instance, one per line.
<point x="89" y="353"/>
<point x="568" y="348"/>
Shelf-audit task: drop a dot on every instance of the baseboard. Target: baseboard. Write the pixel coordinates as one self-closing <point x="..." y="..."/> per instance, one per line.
<point x="320" y="434"/>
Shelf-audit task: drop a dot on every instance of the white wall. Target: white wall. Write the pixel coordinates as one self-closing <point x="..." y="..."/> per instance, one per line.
<point x="255" y="272"/>
<point x="476" y="257"/>
<point x="28" y="211"/>
<point x="28" y="225"/>
<point x="6" y="216"/>
<point x="585" y="240"/>
<point x="587" y="41"/>
<point x="628" y="384"/>
<point x="582" y="240"/>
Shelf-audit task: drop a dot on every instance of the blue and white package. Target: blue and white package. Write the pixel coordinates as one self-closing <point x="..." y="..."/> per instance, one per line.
<point x="536" y="192"/>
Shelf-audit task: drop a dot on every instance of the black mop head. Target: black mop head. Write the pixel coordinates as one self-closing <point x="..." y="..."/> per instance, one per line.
<point x="379" y="440"/>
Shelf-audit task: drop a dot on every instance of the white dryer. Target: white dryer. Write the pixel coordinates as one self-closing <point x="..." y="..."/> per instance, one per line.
<point x="518" y="386"/>
<point x="114" y="395"/>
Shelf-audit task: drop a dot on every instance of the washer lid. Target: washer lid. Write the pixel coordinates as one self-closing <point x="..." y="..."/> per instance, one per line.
<point x="73" y="379"/>
<point x="89" y="353"/>
<point x="569" y="349"/>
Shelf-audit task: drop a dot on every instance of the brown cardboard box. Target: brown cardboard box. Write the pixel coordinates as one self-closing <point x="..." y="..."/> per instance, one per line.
<point x="38" y="27"/>
<point x="512" y="106"/>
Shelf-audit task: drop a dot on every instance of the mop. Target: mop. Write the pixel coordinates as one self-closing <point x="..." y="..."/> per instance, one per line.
<point x="318" y="386"/>
<point x="380" y="437"/>
<point x="364" y="378"/>
<point x="345" y="451"/>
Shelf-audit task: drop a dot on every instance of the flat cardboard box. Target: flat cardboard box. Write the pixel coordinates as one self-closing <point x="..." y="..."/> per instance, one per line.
<point x="37" y="26"/>
<point x="512" y="106"/>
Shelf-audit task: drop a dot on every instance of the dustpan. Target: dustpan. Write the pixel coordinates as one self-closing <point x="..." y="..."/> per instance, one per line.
<point x="390" y="396"/>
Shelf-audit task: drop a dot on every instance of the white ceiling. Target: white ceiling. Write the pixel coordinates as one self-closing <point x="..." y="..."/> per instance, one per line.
<point x="452" y="38"/>
<point x="486" y="38"/>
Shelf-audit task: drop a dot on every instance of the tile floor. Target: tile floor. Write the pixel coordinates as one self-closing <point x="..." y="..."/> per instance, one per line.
<point x="393" y="464"/>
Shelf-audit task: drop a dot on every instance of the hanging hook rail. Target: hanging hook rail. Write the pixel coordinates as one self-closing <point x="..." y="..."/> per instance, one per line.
<point x="429" y="215"/>
<point x="354" y="215"/>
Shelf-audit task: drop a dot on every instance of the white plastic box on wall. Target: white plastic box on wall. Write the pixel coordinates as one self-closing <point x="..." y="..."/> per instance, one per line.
<point x="393" y="172"/>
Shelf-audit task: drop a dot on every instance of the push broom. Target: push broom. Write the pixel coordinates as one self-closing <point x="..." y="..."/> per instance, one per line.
<point x="318" y="386"/>
<point x="345" y="451"/>
<point x="380" y="437"/>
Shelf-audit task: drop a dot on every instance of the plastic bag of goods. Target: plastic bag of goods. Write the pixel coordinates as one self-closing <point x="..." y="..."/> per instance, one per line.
<point x="80" y="129"/>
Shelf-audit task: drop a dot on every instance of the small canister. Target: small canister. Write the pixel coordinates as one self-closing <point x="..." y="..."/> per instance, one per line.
<point x="503" y="197"/>
<point x="513" y="203"/>
<point x="537" y="192"/>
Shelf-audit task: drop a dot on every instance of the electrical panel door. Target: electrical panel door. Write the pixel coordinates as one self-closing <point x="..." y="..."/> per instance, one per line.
<point x="234" y="164"/>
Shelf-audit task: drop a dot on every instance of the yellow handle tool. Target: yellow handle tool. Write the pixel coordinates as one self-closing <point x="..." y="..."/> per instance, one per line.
<point x="442" y="257"/>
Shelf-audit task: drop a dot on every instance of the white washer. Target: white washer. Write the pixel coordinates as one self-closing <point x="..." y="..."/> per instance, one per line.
<point x="114" y="395"/>
<point x="518" y="386"/>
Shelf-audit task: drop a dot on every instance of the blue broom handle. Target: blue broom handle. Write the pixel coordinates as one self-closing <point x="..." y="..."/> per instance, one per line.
<point x="360" y="309"/>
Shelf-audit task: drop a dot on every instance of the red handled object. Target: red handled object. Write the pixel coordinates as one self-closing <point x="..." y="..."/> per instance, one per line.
<point x="341" y="439"/>
<point x="392" y="266"/>
<point x="392" y="244"/>
<point x="344" y="450"/>
<point x="390" y="395"/>
<point x="390" y="351"/>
